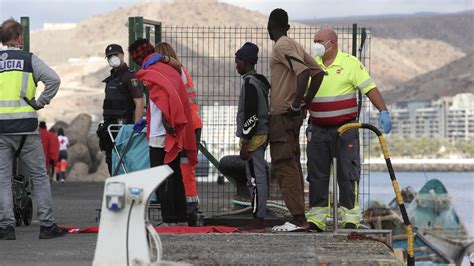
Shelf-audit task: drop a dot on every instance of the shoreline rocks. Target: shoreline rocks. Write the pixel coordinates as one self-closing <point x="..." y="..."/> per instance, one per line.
<point x="86" y="162"/>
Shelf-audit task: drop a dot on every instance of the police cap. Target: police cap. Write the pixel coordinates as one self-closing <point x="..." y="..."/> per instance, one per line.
<point x="113" y="49"/>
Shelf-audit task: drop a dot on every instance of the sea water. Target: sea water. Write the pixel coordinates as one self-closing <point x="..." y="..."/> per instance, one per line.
<point x="460" y="185"/>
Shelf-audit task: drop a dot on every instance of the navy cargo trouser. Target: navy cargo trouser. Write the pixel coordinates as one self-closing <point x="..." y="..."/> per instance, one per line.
<point x="320" y="150"/>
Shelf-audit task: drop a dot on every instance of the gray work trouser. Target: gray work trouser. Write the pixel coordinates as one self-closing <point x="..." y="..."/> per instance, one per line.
<point x="32" y="165"/>
<point x="257" y="181"/>
<point x="320" y="150"/>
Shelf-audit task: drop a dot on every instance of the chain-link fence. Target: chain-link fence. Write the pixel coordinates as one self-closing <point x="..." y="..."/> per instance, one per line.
<point x="208" y="54"/>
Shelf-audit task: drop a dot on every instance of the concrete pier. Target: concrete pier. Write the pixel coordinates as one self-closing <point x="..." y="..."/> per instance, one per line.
<point x="75" y="204"/>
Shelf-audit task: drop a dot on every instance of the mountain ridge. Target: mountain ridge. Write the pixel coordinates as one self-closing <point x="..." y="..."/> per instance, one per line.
<point x="77" y="54"/>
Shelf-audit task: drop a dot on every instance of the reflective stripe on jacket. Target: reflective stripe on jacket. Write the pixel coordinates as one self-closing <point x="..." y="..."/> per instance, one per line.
<point x="191" y="91"/>
<point x="336" y="100"/>
<point x="16" y="82"/>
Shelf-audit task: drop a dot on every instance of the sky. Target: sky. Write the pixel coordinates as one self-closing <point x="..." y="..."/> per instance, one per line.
<point x="71" y="11"/>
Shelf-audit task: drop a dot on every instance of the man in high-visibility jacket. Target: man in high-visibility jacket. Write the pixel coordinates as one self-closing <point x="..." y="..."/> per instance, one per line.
<point x="335" y="104"/>
<point x="19" y="137"/>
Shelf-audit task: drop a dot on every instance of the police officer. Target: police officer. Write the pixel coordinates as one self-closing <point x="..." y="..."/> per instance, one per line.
<point x="124" y="101"/>
<point x="335" y="104"/>
<point x="19" y="137"/>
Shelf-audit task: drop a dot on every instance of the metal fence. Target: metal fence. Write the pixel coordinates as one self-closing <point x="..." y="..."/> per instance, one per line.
<point x="208" y="54"/>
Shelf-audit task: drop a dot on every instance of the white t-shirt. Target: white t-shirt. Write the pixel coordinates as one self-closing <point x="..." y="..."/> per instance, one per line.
<point x="63" y="143"/>
<point x="157" y="130"/>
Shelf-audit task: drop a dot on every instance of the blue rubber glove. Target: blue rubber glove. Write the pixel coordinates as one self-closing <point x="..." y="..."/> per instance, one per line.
<point x="139" y="126"/>
<point x="385" y="122"/>
<point x="152" y="60"/>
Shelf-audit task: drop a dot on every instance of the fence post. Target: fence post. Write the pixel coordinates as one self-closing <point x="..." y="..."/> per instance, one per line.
<point x="157" y="34"/>
<point x="135" y="31"/>
<point x="147" y="32"/>
<point x="25" y="22"/>
<point x="354" y="39"/>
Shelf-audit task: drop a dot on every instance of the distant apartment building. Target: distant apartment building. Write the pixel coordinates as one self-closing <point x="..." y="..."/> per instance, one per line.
<point x="451" y="118"/>
<point x="219" y="128"/>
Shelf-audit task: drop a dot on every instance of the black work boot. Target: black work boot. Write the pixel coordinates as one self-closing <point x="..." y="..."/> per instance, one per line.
<point x="7" y="233"/>
<point x="192" y="209"/>
<point x="53" y="231"/>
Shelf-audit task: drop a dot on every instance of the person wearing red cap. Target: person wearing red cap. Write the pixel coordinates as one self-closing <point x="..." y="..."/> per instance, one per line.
<point x="170" y="128"/>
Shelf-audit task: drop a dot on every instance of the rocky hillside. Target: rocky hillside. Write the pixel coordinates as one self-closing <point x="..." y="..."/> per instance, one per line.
<point x="77" y="53"/>
<point x="456" y="29"/>
<point x="454" y="78"/>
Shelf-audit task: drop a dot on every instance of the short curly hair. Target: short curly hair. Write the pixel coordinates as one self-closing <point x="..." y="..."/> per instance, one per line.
<point x="279" y="17"/>
<point x="140" y="49"/>
<point x="10" y="30"/>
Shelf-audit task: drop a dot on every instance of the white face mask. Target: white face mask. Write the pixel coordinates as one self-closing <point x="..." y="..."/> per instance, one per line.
<point x="114" y="61"/>
<point x="319" y="49"/>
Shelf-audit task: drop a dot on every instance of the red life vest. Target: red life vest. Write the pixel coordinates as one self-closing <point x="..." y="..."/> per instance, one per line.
<point x="192" y="99"/>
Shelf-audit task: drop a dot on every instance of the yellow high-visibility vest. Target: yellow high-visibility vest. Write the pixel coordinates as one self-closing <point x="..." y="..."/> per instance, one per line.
<point x="336" y="100"/>
<point x="16" y="82"/>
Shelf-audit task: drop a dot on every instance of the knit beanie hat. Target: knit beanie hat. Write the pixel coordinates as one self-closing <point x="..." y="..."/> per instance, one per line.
<point x="248" y="52"/>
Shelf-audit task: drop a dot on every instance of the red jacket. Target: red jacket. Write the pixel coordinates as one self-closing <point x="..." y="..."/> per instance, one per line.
<point x="53" y="146"/>
<point x="45" y="141"/>
<point x="168" y="93"/>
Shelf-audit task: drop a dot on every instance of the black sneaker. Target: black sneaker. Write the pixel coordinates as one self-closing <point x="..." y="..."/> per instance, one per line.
<point x="53" y="231"/>
<point x="7" y="233"/>
<point x="350" y="226"/>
